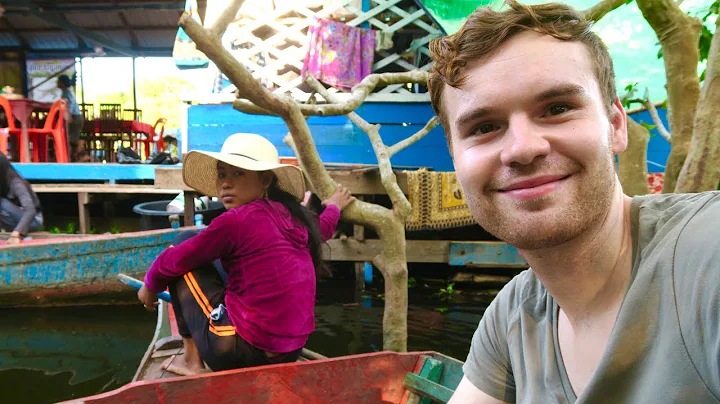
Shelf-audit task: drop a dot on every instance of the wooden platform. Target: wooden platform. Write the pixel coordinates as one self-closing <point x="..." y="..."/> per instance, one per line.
<point x="87" y="179"/>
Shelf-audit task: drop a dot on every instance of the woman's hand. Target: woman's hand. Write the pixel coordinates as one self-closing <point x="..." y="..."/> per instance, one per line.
<point x="148" y="298"/>
<point x="340" y="198"/>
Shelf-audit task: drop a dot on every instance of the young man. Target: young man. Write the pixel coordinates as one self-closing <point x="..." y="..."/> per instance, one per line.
<point x="621" y="302"/>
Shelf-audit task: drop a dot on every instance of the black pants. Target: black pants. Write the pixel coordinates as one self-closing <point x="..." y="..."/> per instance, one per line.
<point x="194" y="296"/>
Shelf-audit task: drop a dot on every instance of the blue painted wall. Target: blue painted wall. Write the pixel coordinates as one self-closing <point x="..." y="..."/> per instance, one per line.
<point x="658" y="148"/>
<point x="339" y="141"/>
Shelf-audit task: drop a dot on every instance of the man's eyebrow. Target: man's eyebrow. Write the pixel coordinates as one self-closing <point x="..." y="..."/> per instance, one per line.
<point x="472" y="115"/>
<point x="563" y="90"/>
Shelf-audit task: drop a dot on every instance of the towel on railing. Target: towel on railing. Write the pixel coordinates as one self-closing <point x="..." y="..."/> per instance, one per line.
<point x="437" y="201"/>
<point x="338" y="54"/>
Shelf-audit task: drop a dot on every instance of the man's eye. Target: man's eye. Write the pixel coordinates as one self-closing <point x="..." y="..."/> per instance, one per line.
<point x="238" y="173"/>
<point x="221" y="175"/>
<point x="485" y="128"/>
<point x="558" y="109"/>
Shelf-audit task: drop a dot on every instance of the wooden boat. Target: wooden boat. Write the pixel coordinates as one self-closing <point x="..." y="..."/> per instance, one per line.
<point x="381" y="377"/>
<point x="77" y="270"/>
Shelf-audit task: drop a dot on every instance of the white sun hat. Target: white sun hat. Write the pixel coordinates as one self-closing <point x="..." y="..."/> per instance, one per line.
<point x="247" y="151"/>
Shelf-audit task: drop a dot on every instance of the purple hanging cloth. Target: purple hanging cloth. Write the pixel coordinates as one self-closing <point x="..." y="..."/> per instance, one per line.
<point x="339" y="55"/>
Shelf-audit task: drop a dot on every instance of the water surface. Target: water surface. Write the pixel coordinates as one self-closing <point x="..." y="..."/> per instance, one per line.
<point x="50" y="355"/>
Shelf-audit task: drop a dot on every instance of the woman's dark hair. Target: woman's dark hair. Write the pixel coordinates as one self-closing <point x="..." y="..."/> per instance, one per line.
<point x="66" y="81"/>
<point x="7" y="173"/>
<point x="309" y="219"/>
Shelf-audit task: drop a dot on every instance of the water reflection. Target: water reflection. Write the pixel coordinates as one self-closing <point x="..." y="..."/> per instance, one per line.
<point x="50" y="355"/>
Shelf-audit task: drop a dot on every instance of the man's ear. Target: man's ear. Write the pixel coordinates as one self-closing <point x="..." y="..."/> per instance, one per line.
<point x="618" y="127"/>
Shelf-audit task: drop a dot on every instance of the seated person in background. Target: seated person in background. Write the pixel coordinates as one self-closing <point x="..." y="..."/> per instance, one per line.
<point x="621" y="301"/>
<point x="171" y="147"/>
<point x="19" y="205"/>
<point x="269" y="246"/>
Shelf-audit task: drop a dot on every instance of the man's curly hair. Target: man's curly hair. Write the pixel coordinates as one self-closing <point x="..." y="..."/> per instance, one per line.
<point x="486" y="30"/>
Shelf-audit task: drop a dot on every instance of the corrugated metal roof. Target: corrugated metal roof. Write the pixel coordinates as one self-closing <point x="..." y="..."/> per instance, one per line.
<point x="95" y="19"/>
<point x="51" y="40"/>
<point x="154" y="39"/>
<point x="121" y="27"/>
<point x="151" y="18"/>
<point x="8" y="40"/>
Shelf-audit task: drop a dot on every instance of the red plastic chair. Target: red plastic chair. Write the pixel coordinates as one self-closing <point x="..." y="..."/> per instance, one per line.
<point x="5" y="105"/>
<point x="55" y="128"/>
<point x="159" y="134"/>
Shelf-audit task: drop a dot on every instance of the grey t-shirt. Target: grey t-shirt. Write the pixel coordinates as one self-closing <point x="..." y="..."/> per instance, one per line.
<point x="665" y="345"/>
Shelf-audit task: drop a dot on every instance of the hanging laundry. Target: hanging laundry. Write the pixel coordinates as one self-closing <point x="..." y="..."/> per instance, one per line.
<point x="383" y="40"/>
<point x="338" y="54"/>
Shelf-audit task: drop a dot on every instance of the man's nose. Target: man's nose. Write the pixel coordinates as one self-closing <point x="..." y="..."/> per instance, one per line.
<point x="524" y="142"/>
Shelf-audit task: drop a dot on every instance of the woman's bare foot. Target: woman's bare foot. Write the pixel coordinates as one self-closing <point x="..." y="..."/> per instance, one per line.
<point x="178" y="364"/>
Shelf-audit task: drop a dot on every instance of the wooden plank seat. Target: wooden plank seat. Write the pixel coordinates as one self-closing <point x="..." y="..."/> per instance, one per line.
<point x="433" y="380"/>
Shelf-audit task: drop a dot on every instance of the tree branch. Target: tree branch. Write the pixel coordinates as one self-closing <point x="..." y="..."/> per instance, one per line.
<point x="701" y="171"/>
<point x="248" y="107"/>
<point x="225" y="18"/>
<point x="655" y="117"/>
<point x="632" y="168"/>
<point x="211" y="46"/>
<point x="598" y="11"/>
<point x="403" y="144"/>
<point x="401" y="206"/>
<point x="389" y="224"/>
<point x="361" y="91"/>
<point x="678" y="35"/>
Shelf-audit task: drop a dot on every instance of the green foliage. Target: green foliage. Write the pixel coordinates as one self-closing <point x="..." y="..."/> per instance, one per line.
<point x="629" y="97"/>
<point x="114" y="229"/>
<point x="648" y="126"/>
<point x="441" y="309"/>
<point x="447" y="292"/>
<point x="412" y="282"/>
<point x="70" y="228"/>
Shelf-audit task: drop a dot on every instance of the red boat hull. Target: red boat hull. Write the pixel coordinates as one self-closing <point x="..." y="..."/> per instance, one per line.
<point x="366" y="378"/>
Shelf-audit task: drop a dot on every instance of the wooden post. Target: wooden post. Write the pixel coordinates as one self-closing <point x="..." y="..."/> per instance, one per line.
<point x="359" y="235"/>
<point x="190" y="207"/>
<point x="84" y="212"/>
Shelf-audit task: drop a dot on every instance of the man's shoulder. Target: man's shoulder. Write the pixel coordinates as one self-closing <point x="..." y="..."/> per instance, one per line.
<point x="668" y="205"/>
<point x="669" y="215"/>
<point x="699" y="240"/>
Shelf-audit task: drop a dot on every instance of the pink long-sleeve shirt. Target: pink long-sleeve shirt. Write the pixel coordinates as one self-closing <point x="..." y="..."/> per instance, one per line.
<point x="270" y="295"/>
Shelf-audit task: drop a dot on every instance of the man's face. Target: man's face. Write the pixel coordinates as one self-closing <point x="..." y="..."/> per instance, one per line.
<point x="532" y="142"/>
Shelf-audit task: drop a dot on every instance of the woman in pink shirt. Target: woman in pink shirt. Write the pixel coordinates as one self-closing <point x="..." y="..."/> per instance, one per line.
<point x="269" y="246"/>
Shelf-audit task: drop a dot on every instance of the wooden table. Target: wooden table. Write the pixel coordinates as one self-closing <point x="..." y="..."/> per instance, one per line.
<point x="22" y="109"/>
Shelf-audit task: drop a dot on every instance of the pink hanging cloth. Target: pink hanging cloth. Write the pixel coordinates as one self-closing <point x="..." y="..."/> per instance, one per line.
<point x="339" y="55"/>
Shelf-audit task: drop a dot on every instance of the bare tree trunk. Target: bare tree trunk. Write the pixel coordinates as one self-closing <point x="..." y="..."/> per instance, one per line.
<point x="678" y="34"/>
<point x="632" y="170"/>
<point x="389" y="224"/>
<point x="701" y="171"/>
